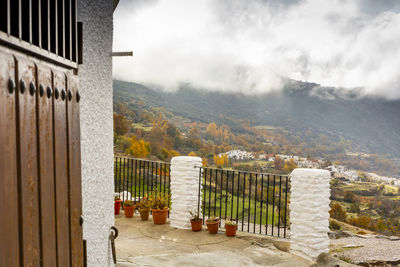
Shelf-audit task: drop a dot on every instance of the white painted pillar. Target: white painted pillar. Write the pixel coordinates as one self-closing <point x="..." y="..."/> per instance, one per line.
<point x="184" y="189"/>
<point x="309" y="212"/>
<point x="96" y="116"/>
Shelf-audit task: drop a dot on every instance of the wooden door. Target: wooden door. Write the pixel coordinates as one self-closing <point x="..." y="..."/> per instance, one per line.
<point x="40" y="175"/>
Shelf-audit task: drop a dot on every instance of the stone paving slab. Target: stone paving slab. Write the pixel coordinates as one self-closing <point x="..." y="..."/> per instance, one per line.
<point x="144" y="244"/>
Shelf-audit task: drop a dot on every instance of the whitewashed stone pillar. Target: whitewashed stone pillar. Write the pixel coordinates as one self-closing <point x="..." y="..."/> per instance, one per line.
<point x="309" y="212"/>
<point x="184" y="189"/>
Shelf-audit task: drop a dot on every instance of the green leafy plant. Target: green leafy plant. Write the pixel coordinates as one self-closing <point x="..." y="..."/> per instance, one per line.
<point x="194" y="216"/>
<point x="158" y="202"/>
<point x="117" y="198"/>
<point x="144" y="203"/>
<point x="213" y="219"/>
<point x="128" y="203"/>
<point x="230" y="223"/>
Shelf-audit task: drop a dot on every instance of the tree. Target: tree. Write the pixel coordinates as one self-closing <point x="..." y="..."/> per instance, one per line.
<point x="139" y="149"/>
<point x="121" y="143"/>
<point x="289" y="166"/>
<point x="221" y="161"/>
<point x="279" y="163"/>
<point x="349" y="197"/>
<point x="174" y="153"/>
<point x="212" y="130"/>
<point x="355" y="208"/>
<point x="121" y="124"/>
<point x="362" y="221"/>
<point x="166" y="154"/>
<point x="337" y="212"/>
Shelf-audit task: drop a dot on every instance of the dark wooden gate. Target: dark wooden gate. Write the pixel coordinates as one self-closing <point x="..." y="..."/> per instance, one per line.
<point x="40" y="172"/>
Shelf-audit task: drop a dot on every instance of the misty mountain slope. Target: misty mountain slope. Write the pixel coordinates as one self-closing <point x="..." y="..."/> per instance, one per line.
<point x="374" y="124"/>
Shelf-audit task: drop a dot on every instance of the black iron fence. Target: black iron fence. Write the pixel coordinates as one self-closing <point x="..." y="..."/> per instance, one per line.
<point x="136" y="178"/>
<point x="257" y="202"/>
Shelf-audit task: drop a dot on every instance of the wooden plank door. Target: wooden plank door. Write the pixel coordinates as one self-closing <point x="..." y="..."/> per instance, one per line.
<point x="74" y="170"/>
<point x="46" y="165"/>
<point x="9" y="231"/>
<point x="40" y="168"/>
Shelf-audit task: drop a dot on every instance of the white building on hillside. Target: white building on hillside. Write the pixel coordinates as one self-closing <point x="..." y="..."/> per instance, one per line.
<point x="287" y="157"/>
<point x="352" y="175"/>
<point x="262" y="156"/>
<point x="238" y="155"/>
<point x="308" y="164"/>
<point x="337" y="168"/>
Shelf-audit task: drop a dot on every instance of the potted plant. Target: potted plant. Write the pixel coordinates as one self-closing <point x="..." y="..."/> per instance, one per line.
<point x="230" y="228"/>
<point x="144" y="208"/>
<point x="159" y="208"/>
<point x="212" y="225"/>
<point x="117" y="205"/>
<point x="129" y="208"/>
<point x="195" y="221"/>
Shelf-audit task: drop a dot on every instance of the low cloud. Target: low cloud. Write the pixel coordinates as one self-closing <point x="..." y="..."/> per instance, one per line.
<point x="252" y="46"/>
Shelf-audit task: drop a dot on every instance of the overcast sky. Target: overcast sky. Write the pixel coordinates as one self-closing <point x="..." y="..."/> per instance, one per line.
<point x="249" y="45"/>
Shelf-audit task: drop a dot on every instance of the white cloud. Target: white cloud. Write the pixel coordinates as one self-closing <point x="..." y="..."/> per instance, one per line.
<point x="248" y="45"/>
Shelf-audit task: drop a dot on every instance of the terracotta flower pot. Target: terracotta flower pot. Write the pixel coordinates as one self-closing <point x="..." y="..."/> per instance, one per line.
<point x="129" y="210"/>
<point x="159" y="216"/>
<point x="230" y="230"/>
<point x="196" y="225"/>
<point x="212" y="227"/>
<point x="117" y="206"/>
<point x="144" y="214"/>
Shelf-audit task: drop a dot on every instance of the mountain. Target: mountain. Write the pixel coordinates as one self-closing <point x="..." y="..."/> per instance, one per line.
<point x="372" y="124"/>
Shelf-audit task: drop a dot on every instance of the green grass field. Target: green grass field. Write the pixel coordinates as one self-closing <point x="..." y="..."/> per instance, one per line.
<point x="142" y="126"/>
<point x="233" y="207"/>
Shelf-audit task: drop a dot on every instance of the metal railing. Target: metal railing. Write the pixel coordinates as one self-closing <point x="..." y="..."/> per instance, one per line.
<point x="257" y="202"/>
<point x="44" y="28"/>
<point x="136" y="178"/>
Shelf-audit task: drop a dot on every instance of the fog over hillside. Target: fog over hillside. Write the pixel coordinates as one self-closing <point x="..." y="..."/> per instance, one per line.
<point x="253" y="46"/>
<point x="372" y="123"/>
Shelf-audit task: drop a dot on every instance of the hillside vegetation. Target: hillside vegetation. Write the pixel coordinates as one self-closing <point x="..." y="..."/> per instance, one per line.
<point x="361" y="133"/>
<point x="366" y="205"/>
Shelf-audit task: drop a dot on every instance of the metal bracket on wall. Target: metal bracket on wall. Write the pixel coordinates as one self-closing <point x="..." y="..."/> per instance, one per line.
<point x="122" y="54"/>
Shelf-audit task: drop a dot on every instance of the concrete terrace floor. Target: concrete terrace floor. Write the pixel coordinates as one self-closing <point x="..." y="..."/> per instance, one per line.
<point x="141" y="243"/>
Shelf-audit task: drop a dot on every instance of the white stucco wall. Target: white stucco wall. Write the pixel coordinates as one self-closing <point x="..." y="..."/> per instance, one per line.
<point x="97" y="128"/>
<point x="309" y="212"/>
<point x="184" y="190"/>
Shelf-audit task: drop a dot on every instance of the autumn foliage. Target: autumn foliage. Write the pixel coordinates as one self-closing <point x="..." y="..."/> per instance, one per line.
<point x="221" y="160"/>
<point x="139" y="149"/>
<point x="337" y="212"/>
<point x="289" y="166"/>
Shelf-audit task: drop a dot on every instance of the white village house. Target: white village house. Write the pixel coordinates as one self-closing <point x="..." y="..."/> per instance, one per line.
<point x="308" y="164"/>
<point x="238" y="155"/>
